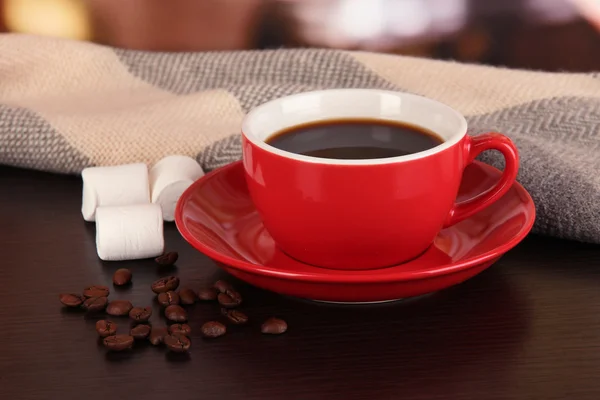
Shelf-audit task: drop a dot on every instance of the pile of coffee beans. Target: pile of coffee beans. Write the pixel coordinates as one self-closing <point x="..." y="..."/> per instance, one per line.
<point x="175" y="337"/>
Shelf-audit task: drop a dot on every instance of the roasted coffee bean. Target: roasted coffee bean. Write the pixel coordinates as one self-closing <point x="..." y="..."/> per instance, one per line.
<point x="274" y="326"/>
<point x="227" y="301"/>
<point x="140" y="331"/>
<point x="208" y="294"/>
<point x="157" y="335"/>
<point x="222" y="286"/>
<point x="175" y="313"/>
<point x="95" y="304"/>
<point x="71" y="299"/>
<point x="166" y="284"/>
<point x="187" y="296"/>
<point x="177" y="343"/>
<point x="106" y="328"/>
<point x="168" y="298"/>
<point x="96" y="291"/>
<point x="235" y="316"/>
<point x="213" y="329"/>
<point x="118" y="342"/>
<point x="183" y="329"/>
<point x="122" y="277"/>
<point x="235" y="296"/>
<point x="119" y="307"/>
<point x="140" y="314"/>
<point x="167" y="259"/>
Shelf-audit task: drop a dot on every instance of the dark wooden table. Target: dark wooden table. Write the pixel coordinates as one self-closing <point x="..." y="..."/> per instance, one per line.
<point x="527" y="328"/>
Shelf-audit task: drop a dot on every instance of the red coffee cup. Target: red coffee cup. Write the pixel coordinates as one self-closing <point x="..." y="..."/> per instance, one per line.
<point x="363" y="214"/>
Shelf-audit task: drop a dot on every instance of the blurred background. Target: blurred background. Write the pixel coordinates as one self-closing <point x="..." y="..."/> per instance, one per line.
<point x="552" y="35"/>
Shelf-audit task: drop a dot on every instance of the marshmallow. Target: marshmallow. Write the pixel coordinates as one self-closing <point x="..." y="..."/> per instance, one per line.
<point x="169" y="178"/>
<point x="129" y="232"/>
<point x="119" y="185"/>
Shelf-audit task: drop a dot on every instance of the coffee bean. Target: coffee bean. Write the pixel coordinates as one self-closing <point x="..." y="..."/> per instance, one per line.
<point x="235" y="296"/>
<point x="213" y="329"/>
<point x="122" y="277"/>
<point x="222" y="286"/>
<point x="71" y="299"/>
<point x="183" y="329"/>
<point x="95" y="304"/>
<point x="274" y="326"/>
<point x="177" y="343"/>
<point x="106" y="328"/>
<point x="167" y="259"/>
<point x="96" y="291"/>
<point x="227" y="301"/>
<point x="175" y="313"/>
<point x="168" y="298"/>
<point x="140" y="314"/>
<point x="187" y="296"/>
<point x="118" y="342"/>
<point x="140" y="331"/>
<point x="166" y="284"/>
<point x="207" y="294"/>
<point x="235" y="316"/>
<point x="119" y="307"/>
<point x="157" y="335"/>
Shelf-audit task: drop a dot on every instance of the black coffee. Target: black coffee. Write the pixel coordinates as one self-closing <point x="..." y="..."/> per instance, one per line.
<point x="354" y="139"/>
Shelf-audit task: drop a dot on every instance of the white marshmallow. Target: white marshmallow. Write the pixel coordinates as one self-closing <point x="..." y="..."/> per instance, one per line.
<point x="129" y="232"/>
<point x="169" y="178"/>
<point x="119" y="185"/>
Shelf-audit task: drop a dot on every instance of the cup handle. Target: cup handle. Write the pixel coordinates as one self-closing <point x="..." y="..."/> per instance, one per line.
<point x="474" y="145"/>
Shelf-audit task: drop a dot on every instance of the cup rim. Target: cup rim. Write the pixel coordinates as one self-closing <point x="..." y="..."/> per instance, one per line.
<point x="250" y="117"/>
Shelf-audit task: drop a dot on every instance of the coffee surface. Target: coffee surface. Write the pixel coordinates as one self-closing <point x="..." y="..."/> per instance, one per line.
<point x="354" y="139"/>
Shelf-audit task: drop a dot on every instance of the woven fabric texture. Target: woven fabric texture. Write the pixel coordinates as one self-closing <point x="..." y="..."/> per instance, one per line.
<point x="67" y="105"/>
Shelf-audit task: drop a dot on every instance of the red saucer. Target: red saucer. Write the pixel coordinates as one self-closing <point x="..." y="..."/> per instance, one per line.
<point x="217" y="217"/>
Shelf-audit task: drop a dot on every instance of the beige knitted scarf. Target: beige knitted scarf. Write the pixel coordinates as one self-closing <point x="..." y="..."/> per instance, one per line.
<point x="66" y="105"/>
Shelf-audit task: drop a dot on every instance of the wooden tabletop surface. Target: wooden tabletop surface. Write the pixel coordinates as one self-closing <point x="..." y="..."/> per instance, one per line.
<point x="527" y="328"/>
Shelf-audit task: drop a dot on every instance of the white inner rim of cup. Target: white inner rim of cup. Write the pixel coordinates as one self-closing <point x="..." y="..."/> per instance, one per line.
<point x="274" y="116"/>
